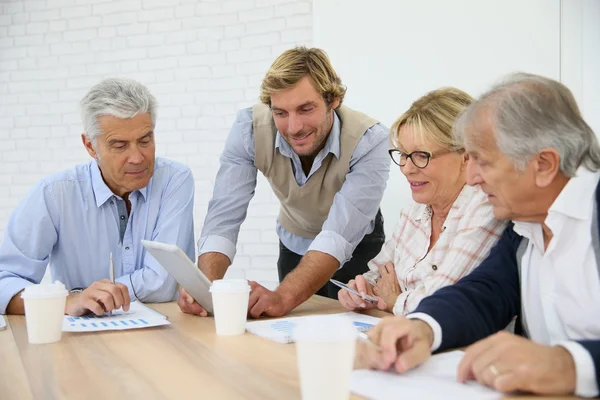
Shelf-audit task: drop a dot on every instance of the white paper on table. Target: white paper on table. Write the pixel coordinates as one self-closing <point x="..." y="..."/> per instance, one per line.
<point x="436" y="379"/>
<point x="282" y="329"/>
<point x="138" y="316"/>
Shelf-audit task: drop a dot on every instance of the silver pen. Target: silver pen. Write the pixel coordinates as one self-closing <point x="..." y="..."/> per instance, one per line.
<point x="112" y="270"/>
<point x="112" y="273"/>
<point x="363" y="337"/>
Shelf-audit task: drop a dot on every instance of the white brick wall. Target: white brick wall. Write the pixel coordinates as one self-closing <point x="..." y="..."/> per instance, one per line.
<point x="203" y="60"/>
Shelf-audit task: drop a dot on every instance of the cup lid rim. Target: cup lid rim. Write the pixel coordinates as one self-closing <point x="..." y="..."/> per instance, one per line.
<point x="44" y="291"/>
<point x="230" y="285"/>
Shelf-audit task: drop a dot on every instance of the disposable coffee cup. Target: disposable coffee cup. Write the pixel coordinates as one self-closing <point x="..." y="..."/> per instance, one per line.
<point x="44" y="311"/>
<point x="230" y="305"/>
<point x="325" y="350"/>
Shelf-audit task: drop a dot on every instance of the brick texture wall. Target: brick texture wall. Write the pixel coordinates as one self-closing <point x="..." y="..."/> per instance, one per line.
<point x="203" y="60"/>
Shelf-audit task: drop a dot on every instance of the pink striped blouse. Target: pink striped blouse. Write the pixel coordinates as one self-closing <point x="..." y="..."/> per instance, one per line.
<point x="469" y="232"/>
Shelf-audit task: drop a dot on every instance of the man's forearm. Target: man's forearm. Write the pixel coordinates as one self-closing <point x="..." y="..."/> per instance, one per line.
<point x="314" y="270"/>
<point x="214" y="265"/>
<point x="16" y="305"/>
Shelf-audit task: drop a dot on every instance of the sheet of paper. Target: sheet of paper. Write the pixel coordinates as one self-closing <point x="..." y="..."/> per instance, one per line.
<point x="282" y="330"/>
<point x="436" y="379"/>
<point x="138" y="316"/>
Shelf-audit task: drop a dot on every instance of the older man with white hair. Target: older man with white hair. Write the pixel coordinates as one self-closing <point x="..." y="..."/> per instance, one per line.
<point x="539" y="163"/>
<point x="76" y="218"/>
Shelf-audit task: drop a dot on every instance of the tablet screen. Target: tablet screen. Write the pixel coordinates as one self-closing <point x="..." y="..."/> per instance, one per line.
<point x="184" y="270"/>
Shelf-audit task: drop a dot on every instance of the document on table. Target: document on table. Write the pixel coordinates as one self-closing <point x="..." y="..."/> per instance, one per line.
<point x="436" y="379"/>
<point x="138" y="316"/>
<point x="282" y="330"/>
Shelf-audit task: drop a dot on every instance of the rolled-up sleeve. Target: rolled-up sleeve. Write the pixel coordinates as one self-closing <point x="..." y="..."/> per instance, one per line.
<point x="28" y="241"/>
<point x="234" y="188"/>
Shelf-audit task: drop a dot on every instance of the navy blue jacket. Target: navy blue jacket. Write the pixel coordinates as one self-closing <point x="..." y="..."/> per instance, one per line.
<point x="485" y="301"/>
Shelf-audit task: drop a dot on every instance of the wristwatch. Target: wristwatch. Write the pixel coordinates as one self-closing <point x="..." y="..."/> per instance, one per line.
<point x="76" y="290"/>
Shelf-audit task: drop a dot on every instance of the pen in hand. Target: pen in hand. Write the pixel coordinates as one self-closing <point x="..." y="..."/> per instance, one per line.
<point x="363" y="337"/>
<point x="372" y="281"/>
<point x="112" y="272"/>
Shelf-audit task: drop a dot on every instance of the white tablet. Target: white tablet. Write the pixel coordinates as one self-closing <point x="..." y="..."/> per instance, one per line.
<point x="184" y="270"/>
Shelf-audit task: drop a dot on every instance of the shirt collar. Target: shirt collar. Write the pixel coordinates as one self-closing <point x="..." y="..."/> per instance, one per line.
<point x="102" y="192"/>
<point x="576" y="198"/>
<point x="332" y="145"/>
<point x="423" y="212"/>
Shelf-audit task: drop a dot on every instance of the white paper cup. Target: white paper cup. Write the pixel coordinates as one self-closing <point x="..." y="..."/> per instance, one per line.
<point x="44" y="311"/>
<point x="325" y="348"/>
<point x="230" y="305"/>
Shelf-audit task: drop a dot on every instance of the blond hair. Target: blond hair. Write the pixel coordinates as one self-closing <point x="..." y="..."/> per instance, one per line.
<point x="433" y="116"/>
<point x="294" y="64"/>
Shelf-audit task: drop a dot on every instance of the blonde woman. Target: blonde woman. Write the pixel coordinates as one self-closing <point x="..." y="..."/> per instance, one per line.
<point x="448" y="229"/>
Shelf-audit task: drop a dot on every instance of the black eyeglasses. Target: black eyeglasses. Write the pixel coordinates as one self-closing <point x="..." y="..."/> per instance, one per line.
<point x="419" y="158"/>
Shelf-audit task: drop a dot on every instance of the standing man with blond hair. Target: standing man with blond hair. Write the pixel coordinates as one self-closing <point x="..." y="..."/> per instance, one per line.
<point x="327" y="165"/>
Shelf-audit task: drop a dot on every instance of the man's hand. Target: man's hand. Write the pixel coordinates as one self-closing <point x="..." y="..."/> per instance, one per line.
<point x="188" y="305"/>
<point x="213" y="265"/>
<point x="265" y="302"/>
<point x="352" y="302"/>
<point x="404" y="343"/>
<point x="511" y="363"/>
<point x="100" y="297"/>
<point x="387" y="287"/>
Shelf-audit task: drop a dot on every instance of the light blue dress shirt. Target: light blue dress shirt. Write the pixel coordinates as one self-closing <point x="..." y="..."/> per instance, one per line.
<point x="353" y="210"/>
<point x="73" y="221"/>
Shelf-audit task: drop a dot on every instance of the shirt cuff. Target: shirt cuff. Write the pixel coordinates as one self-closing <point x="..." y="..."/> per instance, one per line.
<point x="126" y="280"/>
<point x="586" y="385"/>
<point x="434" y="325"/>
<point x="9" y="287"/>
<point x="216" y="244"/>
<point x="334" y="244"/>
<point x="399" y="305"/>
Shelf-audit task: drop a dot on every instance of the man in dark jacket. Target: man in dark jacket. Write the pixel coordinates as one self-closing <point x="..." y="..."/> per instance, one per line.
<point x="538" y="161"/>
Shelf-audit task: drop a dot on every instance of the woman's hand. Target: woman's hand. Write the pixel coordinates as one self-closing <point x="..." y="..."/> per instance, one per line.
<point x="387" y="287"/>
<point x="352" y="302"/>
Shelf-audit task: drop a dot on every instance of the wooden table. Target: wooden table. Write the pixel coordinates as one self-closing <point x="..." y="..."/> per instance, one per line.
<point x="183" y="360"/>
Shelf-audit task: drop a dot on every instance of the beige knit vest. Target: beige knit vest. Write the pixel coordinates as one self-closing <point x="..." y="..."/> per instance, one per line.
<point x="304" y="209"/>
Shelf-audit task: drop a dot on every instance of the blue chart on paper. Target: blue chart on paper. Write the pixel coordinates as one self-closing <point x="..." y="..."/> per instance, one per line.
<point x="96" y="321"/>
<point x="138" y="316"/>
<point x="282" y="330"/>
<point x="285" y="328"/>
<point x="362" y="326"/>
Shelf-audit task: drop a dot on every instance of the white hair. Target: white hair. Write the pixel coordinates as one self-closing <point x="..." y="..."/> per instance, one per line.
<point x="117" y="97"/>
<point x="529" y="113"/>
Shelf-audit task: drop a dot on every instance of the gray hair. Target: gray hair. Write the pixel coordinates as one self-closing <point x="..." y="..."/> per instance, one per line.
<point x="117" y="97"/>
<point x="530" y="113"/>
